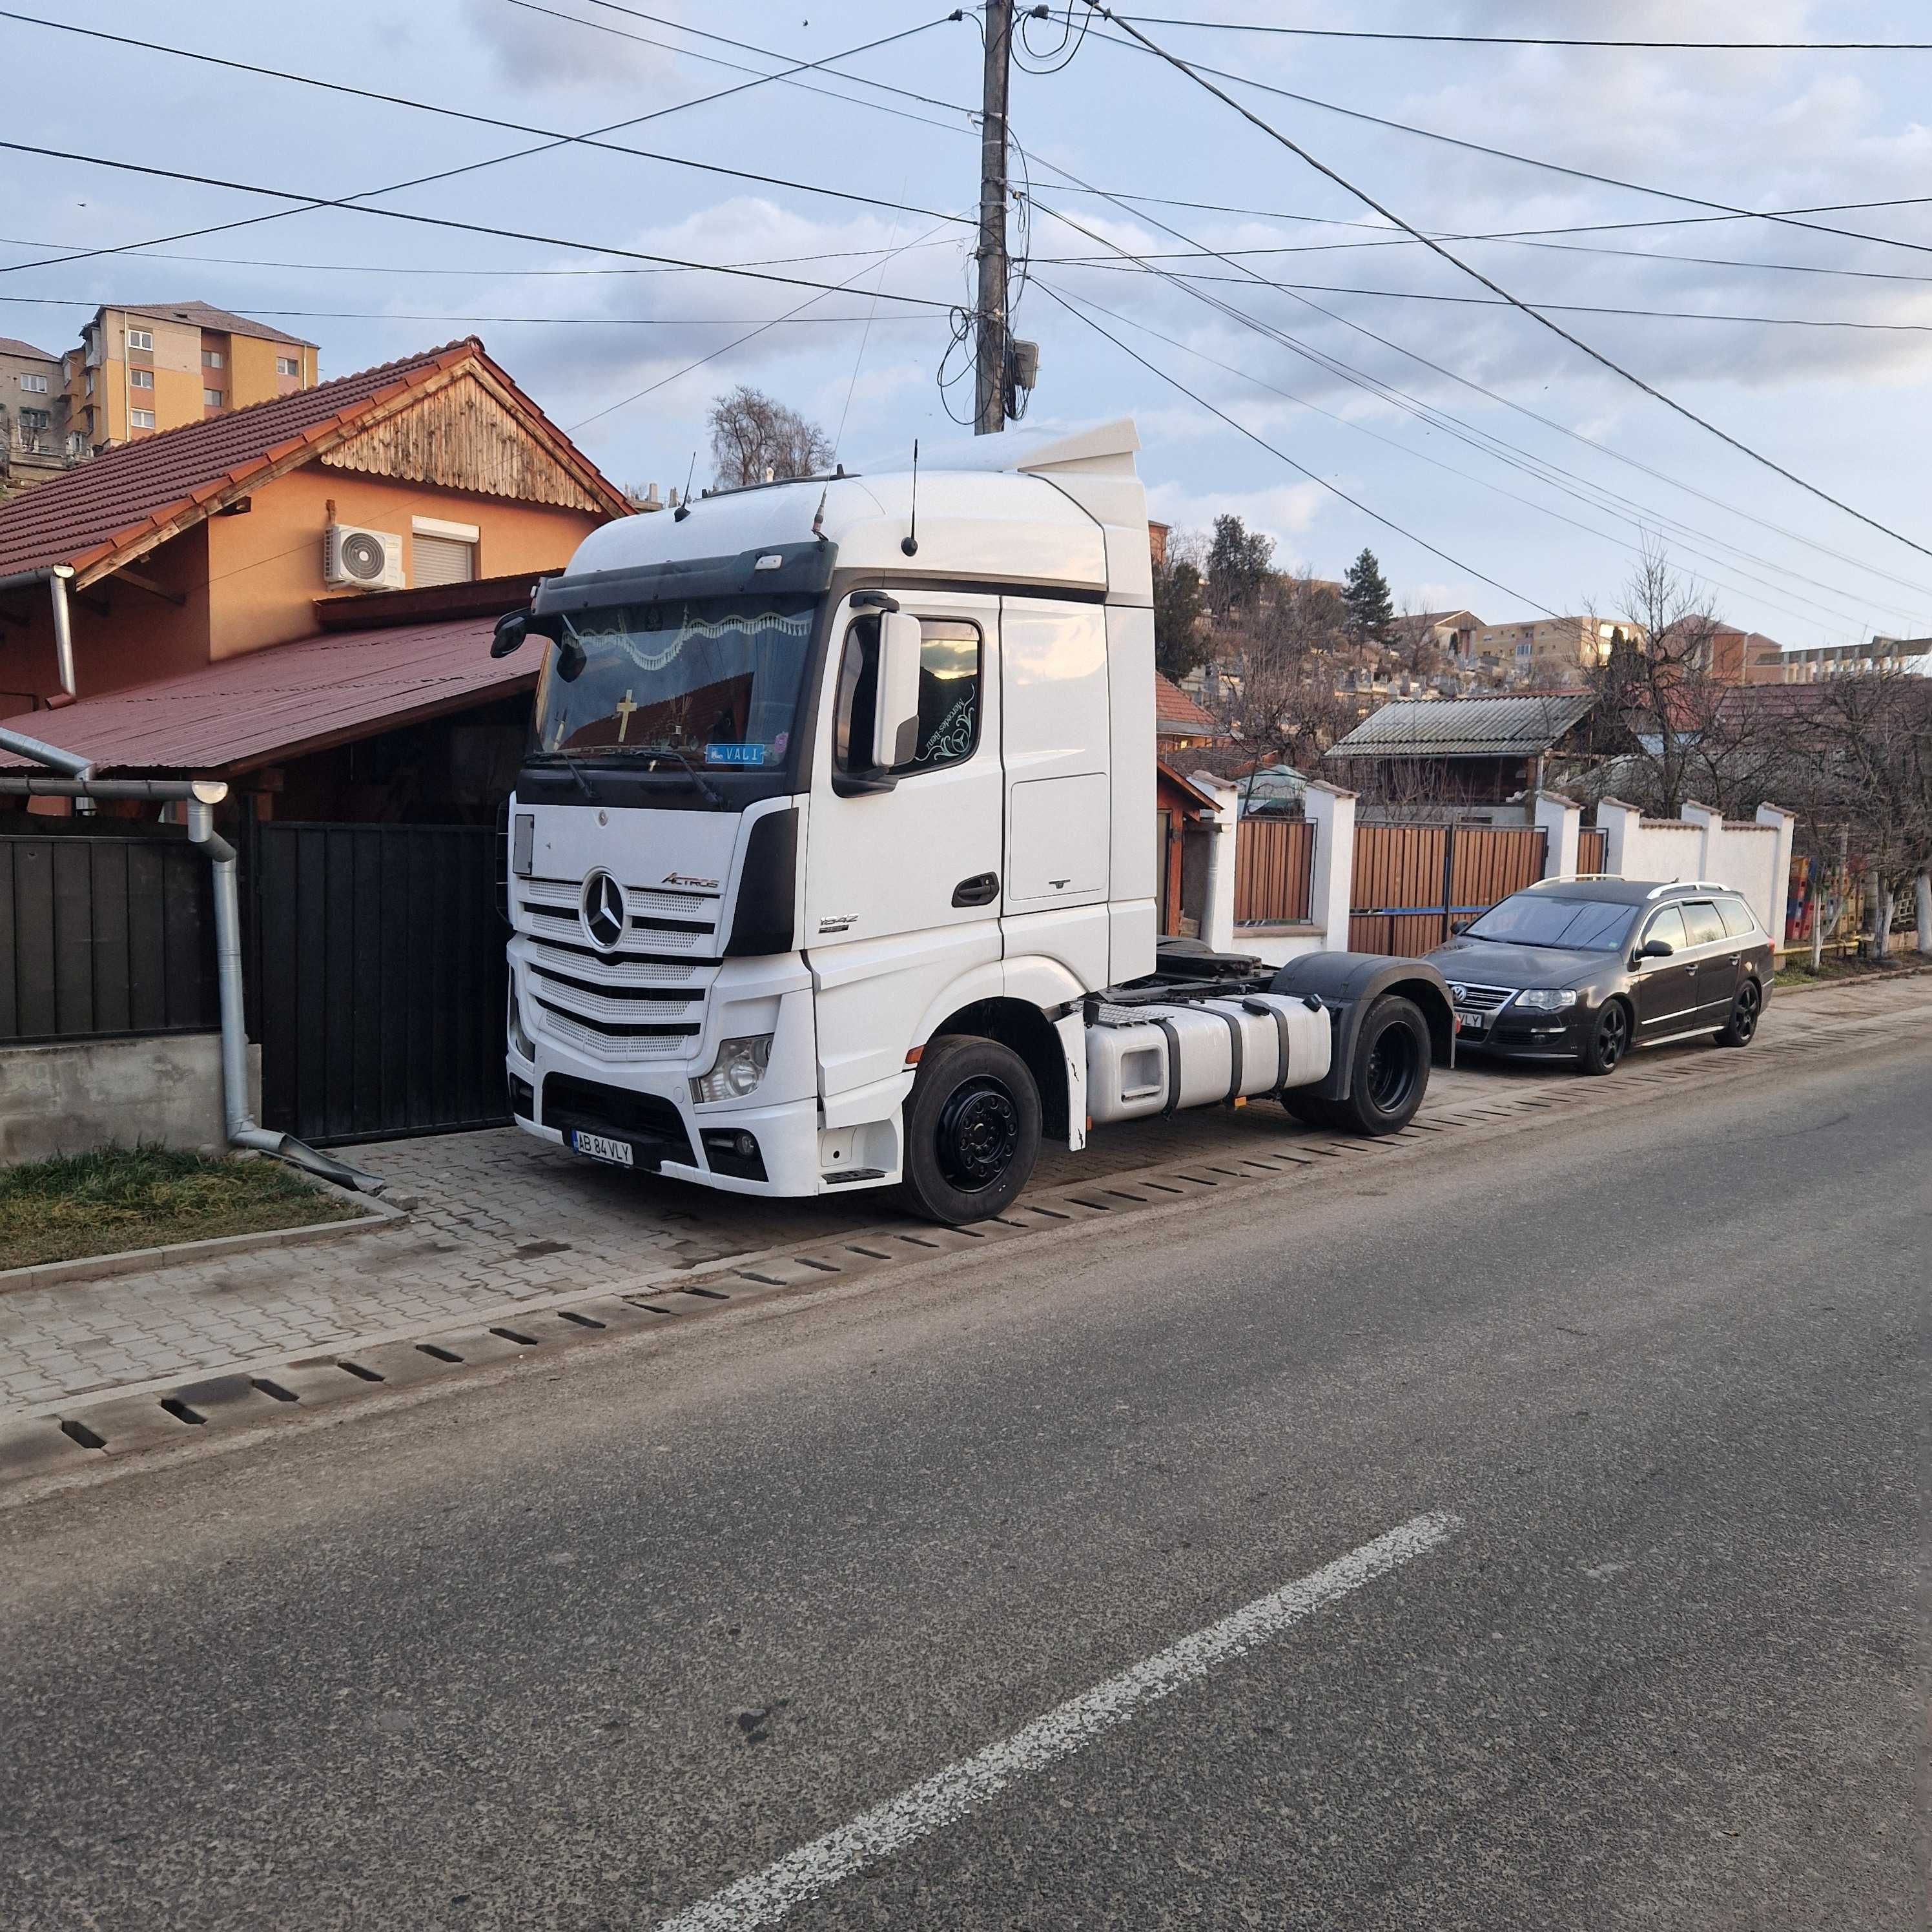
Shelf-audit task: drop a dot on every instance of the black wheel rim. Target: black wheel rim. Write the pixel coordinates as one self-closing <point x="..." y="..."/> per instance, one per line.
<point x="1610" y="1040"/>
<point x="1744" y="1021"/>
<point x="979" y="1133"/>
<point x="1393" y="1062"/>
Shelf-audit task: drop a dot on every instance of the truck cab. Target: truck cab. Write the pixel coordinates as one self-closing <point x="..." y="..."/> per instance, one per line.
<point x="838" y="827"/>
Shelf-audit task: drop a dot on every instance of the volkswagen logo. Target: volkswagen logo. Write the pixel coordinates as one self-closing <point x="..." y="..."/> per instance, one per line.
<point x="603" y="911"/>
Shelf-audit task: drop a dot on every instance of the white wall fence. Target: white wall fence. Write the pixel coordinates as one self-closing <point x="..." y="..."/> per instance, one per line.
<point x="1751" y="857"/>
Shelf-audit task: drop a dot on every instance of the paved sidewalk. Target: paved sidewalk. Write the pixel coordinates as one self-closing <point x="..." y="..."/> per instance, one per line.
<point x="498" y="1218"/>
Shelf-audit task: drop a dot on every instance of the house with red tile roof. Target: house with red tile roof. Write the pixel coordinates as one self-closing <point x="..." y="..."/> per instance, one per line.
<point x="1179" y="723"/>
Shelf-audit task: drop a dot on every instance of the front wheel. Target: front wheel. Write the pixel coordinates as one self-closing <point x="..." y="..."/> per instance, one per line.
<point x="1746" y="1011"/>
<point x="972" y="1129"/>
<point x="1610" y="1039"/>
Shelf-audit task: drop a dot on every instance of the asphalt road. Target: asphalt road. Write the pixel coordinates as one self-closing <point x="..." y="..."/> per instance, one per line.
<point x="581" y="1650"/>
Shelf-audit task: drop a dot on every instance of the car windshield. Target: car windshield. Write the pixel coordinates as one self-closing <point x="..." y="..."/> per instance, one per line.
<point x="716" y="681"/>
<point x="1530" y="919"/>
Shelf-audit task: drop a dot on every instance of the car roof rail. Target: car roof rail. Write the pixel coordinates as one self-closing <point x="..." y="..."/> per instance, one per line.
<point x="1688" y="886"/>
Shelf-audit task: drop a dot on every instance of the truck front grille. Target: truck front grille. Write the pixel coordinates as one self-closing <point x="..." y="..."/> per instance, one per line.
<point x="651" y="1125"/>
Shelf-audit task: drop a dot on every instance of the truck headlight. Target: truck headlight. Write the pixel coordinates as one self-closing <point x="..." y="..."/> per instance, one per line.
<point x="520" y="1042"/>
<point x="1543" y="1000"/>
<point x="739" y="1066"/>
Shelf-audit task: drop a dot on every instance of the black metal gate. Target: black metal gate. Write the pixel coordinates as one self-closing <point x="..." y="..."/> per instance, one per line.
<point x="376" y="982"/>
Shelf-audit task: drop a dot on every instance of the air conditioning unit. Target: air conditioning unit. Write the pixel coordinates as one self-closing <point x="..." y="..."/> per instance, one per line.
<point x="356" y="560"/>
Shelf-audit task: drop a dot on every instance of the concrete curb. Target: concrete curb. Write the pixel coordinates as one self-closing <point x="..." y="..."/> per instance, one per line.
<point x="372" y="1215"/>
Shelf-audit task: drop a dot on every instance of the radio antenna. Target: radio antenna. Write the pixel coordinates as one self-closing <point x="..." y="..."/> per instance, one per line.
<point x="684" y="508"/>
<point x="909" y="543"/>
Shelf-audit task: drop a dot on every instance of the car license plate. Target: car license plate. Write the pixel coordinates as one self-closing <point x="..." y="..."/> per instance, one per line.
<point x="1471" y="1022"/>
<point x="618" y="1153"/>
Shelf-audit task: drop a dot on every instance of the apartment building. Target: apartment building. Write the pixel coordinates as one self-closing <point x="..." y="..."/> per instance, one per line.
<point x="141" y="371"/>
<point x="33" y="446"/>
<point x="1549" y="650"/>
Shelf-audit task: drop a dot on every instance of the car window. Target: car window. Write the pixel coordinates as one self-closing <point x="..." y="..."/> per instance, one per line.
<point x="949" y="694"/>
<point x="1739" y="921"/>
<point x="1667" y="926"/>
<point x="1702" y="924"/>
<point x="1540" y="918"/>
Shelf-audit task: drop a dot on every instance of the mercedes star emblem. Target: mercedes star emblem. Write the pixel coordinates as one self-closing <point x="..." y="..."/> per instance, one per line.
<point x="603" y="911"/>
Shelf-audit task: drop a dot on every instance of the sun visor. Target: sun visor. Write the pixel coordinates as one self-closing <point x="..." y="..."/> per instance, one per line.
<point x="777" y="570"/>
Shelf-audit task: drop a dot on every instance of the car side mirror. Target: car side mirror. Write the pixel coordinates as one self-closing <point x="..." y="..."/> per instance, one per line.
<point x="1655" y="949"/>
<point x="895" y="702"/>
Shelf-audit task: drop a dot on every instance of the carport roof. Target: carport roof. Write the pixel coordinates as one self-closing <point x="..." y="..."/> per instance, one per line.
<point x="282" y="702"/>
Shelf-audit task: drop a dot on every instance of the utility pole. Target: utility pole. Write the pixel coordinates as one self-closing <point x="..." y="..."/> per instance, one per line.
<point x="989" y="384"/>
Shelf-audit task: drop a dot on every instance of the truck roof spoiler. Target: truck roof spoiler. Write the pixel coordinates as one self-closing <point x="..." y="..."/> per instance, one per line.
<point x="1093" y="449"/>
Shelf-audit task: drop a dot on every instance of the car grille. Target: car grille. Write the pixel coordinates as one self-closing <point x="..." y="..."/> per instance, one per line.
<point x="1481" y="999"/>
<point x="643" y="999"/>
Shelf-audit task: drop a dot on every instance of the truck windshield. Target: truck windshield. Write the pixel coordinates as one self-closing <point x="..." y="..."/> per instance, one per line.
<point x="717" y="681"/>
<point x="1532" y="918"/>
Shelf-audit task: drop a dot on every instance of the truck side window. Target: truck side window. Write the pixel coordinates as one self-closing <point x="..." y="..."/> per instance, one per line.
<point x="949" y="669"/>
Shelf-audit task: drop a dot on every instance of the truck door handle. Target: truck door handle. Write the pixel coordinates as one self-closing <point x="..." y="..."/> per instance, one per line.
<point x="982" y="889"/>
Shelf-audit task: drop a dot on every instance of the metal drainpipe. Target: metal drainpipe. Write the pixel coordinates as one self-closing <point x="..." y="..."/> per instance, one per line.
<point x="242" y="1130"/>
<point x="57" y="579"/>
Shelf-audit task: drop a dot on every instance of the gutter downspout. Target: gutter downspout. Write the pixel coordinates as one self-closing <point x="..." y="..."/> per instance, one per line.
<point x="55" y="577"/>
<point x="200" y="796"/>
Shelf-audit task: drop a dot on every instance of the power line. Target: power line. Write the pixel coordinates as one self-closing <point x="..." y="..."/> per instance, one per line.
<point x="1568" y="308"/>
<point x="1538" y="39"/>
<point x="1496" y="288"/>
<point x="551" y="139"/>
<point x="1456" y="426"/>
<point x="433" y="221"/>
<point x="1140" y="42"/>
<point x="1771" y="592"/>
<point x="1353" y="502"/>
<point x="547" y="321"/>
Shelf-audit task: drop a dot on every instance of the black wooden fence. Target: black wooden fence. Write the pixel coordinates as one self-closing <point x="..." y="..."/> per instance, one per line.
<point x="377" y="981"/>
<point x="103" y="934"/>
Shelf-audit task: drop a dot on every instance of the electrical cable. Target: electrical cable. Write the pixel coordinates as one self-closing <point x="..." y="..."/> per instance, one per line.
<point x="552" y="139"/>
<point x="651" y="388"/>
<point x="1539" y="40"/>
<point x="1196" y="70"/>
<point x="1353" y="502"/>
<point x="1771" y="593"/>
<point x="433" y="221"/>
<point x="1455" y="426"/>
<point x="546" y="321"/>
<point x="1496" y="288"/>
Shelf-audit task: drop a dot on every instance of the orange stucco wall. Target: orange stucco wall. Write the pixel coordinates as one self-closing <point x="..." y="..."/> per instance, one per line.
<point x="251" y="580"/>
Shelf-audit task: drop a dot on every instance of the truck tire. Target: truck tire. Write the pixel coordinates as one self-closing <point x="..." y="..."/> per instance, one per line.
<point x="1389" y="1073"/>
<point x="972" y="1129"/>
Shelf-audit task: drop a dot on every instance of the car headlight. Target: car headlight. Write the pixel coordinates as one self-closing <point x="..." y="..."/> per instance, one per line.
<point x="739" y="1066"/>
<point x="1546" y="1000"/>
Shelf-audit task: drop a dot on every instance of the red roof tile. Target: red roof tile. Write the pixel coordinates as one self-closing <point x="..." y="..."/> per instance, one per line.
<point x="104" y="505"/>
<point x="1176" y="714"/>
<point x="277" y="703"/>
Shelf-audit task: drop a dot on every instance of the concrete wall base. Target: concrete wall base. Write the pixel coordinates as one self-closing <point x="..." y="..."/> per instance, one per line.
<point x="73" y="1095"/>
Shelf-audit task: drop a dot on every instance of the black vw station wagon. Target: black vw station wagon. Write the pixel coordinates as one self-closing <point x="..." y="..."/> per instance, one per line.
<point x="1584" y="969"/>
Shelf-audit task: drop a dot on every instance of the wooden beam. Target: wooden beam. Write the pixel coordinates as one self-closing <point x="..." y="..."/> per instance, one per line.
<point x="142" y="582"/>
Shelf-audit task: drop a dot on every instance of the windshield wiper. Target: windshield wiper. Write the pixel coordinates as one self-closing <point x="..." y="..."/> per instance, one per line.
<point x="570" y="765"/>
<point x="697" y="777"/>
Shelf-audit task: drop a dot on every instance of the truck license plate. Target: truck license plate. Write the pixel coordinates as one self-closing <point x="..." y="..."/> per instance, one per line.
<point x="1471" y="1022"/>
<point x="618" y="1153"/>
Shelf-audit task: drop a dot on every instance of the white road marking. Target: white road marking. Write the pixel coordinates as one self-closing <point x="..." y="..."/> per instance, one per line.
<point x="766" y="1896"/>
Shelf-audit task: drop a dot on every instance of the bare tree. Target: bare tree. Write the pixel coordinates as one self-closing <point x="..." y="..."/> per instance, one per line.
<point x="1281" y="698"/>
<point x="757" y="439"/>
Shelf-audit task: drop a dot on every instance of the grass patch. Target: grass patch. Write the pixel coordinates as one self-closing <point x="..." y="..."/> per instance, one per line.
<point x="116" y="1198"/>
<point x="1848" y="969"/>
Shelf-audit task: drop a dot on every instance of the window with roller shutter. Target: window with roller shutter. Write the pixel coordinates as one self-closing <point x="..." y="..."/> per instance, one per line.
<point x="442" y="560"/>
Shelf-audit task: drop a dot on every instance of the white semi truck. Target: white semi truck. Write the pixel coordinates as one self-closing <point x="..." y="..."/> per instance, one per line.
<point x="833" y="864"/>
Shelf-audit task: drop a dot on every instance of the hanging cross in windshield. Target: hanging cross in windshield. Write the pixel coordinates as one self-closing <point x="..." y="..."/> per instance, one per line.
<point x="623" y="708"/>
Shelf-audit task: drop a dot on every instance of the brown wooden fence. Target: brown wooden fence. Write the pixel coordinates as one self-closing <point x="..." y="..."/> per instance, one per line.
<point x="1274" y="864"/>
<point x="1414" y="885"/>
<point x="1593" y="849"/>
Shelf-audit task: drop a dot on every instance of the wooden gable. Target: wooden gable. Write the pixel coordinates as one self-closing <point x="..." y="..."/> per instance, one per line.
<point x="461" y="435"/>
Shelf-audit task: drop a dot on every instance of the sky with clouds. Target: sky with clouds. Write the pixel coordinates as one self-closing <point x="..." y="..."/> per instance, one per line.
<point x="1367" y="392"/>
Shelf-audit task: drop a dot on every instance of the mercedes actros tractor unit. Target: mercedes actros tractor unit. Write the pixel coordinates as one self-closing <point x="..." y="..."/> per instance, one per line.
<point x="832" y="863"/>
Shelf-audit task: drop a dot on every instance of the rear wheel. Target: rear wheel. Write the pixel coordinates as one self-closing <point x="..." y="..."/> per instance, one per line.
<point x="1388" y="1074"/>
<point x="1746" y="1010"/>
<point x="1610" y="1039"/>
<point x="972" y="1127"/>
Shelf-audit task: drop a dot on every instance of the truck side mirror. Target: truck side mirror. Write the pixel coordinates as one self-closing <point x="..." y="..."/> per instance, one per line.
<point x="895" y="704"/>
<point x="512" y="627"/>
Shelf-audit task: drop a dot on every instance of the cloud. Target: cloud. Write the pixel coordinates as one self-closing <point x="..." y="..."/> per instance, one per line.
<point x="539" y="51"/>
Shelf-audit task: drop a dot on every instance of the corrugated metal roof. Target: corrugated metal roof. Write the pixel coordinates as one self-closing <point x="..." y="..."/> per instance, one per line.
<point x="1449" y="728"/>
<point x="276" y="703"/>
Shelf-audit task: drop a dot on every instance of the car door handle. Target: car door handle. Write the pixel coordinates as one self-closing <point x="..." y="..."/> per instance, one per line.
<point x="982" y="889"/>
